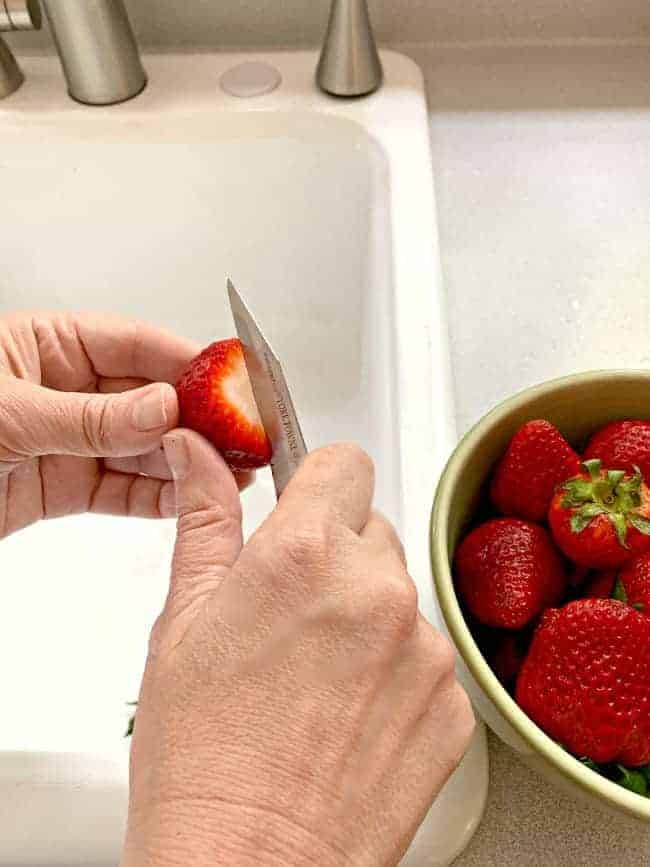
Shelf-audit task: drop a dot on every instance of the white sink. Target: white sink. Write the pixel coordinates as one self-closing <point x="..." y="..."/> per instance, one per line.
<point x="322" y="211"/>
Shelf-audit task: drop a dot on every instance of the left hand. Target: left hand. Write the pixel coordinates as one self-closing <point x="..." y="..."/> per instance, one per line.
<point x="76" y="389"/>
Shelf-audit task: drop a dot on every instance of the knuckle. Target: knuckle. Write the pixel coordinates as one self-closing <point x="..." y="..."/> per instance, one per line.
<point x="213" y="516"/>
<point x="397" y="604"/>
<point x="309" y="544"/>
<point x="438" y="651"/>
<point x="346" y="454"/>
<point x="96" y="421"/>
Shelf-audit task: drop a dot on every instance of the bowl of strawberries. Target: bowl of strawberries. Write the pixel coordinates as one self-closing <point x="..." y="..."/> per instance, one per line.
<point x="540" y="543"/>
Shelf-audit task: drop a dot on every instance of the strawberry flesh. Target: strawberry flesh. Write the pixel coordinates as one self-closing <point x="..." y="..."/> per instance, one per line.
<point x="586" y="680"/>
<point x="216" y="400"/>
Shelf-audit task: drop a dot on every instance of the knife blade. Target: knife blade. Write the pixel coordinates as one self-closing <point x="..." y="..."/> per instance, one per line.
<point x="271" y="393"/>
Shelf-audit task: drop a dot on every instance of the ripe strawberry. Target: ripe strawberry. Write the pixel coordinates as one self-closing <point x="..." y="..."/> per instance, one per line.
<point x="622" y="444"/>
<point x="537" y="459"/>
<point x="507" y="657"/>
<point x="630" y="585"/>
<point x="508" y="571"/>
<point x="586" y="680"/>
<point x="216" y="400"/>
<point x="602" y="584"/>
<point x="601" y="518"/>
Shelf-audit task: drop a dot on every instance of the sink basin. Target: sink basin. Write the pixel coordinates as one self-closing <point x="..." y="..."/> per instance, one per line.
<point x="322" y="212"/>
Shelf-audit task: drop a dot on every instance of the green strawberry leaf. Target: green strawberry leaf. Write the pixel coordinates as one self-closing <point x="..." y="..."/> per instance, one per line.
<point x="634" y="781"/>
<point x="618" y="591"/>
<point x="131" y="725"/>
<point x="585" y="515"/>
<point x="591" y="764"/>
<point x="620" y="526"/>
<point x="593" y="468"/>
<point x="639" y="606"/>
<point x="577" y="492"/>
<point x="615" y="476"/>
<point x="645" y="770"/>
<point x="640" y="524"/>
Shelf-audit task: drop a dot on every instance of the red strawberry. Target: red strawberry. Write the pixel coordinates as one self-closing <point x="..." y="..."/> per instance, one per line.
<point x="508" y="571"/>
<point x="586" y="680"/>
<point x="622" y="444"/>
<point x="601" y="586"/>
<point x="630" y="585"/>
<point x="507" y="658"/>
<point x="216" y="400"/>
<point x="601" y="518"/>
<point x="536" y="461"/>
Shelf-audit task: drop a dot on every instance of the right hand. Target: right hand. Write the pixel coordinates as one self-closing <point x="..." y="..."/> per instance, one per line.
<point x="296" y="708"/>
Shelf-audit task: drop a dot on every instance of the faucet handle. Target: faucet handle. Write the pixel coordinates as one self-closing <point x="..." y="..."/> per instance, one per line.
<point x="20" y="15"/>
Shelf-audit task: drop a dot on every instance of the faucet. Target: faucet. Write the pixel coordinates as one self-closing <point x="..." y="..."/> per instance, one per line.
<point x="95" y="42"/>
<point x="15" y="16"/>
<point x="349" y="63"/>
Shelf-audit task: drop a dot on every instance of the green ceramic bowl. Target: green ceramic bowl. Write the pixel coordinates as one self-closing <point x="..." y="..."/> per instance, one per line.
<point x="577" y="405"/>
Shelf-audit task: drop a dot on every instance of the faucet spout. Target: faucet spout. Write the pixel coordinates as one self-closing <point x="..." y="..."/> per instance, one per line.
<point x="98" y="50"/>
<point x="15" y="15"/>
<point x="349" y="63"/>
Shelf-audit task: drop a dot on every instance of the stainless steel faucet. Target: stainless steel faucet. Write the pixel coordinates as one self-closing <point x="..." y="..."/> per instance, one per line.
<point x="15" y="15"/>
<point x="349" y="63"/>
<point x="95" y="42"/>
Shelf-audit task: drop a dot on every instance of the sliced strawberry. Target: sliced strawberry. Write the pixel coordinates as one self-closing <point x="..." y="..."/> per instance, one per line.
<point x="537" y="459"/>
<point x="216" y="400"/>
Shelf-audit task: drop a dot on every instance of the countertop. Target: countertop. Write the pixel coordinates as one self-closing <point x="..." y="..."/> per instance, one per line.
<point x="542" y="160"/>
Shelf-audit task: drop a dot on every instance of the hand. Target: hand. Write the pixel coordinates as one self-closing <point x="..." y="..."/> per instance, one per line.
<point x="296" y="709"/>
<point x="74" y="388"/>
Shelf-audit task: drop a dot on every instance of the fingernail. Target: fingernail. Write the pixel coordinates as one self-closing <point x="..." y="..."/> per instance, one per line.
<point x="150" y="412"/>
<point x="178" y="455"/>
<point x="168" y="501"/>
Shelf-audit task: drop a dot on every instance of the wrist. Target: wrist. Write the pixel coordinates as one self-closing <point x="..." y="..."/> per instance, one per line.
<point x="221" y="834"/>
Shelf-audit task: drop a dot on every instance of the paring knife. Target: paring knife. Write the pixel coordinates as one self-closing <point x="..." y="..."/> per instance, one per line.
<point x="271" y="394"/>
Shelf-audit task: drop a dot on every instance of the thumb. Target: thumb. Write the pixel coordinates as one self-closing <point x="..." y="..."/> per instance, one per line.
<point x="38" y="421"/>
<point x="209" y="538"/>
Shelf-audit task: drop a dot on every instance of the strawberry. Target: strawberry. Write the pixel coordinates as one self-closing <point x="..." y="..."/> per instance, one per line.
<point x="507" y="571"/>
<point x="537" y="459"/>
<point x="601" y="518"/>
<point x="622" y="444"/>
<point x="216" y="400"/>
<point x="630" y="585"/>
<point x="507" y="658"/>
<point x="586" y="680"/>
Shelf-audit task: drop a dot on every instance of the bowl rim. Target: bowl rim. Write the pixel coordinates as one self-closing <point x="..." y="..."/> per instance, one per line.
<point x="567" y="765"/>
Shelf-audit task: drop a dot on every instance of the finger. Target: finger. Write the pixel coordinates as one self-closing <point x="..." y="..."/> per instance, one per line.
<point x="155" y="464"/>
<point x="39" y="421"/>
<point x="209" y="511"/>
<point x="108" y="385"/>
<point x="382" y="535"/>
<point x="336" y="482"/>
<point x="134" y="496"/>
<point x="107" y="346"/>
<point x="152" y="464"/>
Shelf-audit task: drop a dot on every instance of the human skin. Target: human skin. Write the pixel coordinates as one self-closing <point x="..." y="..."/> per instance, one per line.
<point x="296" y="708"/>
<point x="84" y="402"/>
